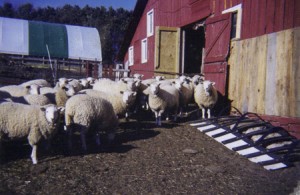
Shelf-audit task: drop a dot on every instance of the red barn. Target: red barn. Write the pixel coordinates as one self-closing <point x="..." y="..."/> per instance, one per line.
<point x="250" y="48"/>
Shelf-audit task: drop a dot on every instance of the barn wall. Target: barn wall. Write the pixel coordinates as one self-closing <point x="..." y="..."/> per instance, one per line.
<point x="264" y="74"/>
<point x="167" y="13"/>
<point x="261" y="17"/>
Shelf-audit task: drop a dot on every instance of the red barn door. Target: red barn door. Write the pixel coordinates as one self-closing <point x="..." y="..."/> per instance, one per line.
<point x="217" y="40"/>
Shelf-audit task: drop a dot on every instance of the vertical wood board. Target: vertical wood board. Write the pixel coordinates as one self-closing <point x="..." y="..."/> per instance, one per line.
<point x="296" y="69"/>
<point x="270" y="109"/>
<point x="283" y="77"/>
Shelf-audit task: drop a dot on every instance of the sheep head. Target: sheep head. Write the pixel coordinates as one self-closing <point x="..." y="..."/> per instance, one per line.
<point x="128" y="97"/>
<point x="51" y="113"/>
<point x="154" y="88"/>
<point x="208" y="87"/>
<point x="33" y="89"/>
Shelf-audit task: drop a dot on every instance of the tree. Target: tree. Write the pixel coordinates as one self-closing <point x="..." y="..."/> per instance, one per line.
<point x="7" y="10"/>
<point x="26" y="11"/>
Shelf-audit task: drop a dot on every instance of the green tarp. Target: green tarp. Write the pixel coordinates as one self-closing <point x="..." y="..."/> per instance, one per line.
<point x="43" y="34"/>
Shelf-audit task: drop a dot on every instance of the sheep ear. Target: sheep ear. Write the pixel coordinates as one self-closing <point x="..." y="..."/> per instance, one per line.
<point x="213" y="83"/>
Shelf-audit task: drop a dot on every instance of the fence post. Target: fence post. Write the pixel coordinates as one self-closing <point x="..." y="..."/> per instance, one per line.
<point x="100" y="71"/>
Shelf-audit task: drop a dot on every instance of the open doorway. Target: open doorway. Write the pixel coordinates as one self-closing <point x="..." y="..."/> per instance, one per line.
<point x="193" y="43"/>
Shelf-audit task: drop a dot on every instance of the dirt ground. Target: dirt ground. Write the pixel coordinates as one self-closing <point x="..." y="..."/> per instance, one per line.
<point x="144" y="159"/>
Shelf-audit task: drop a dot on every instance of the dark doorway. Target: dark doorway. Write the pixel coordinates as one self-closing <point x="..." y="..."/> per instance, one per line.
<point x="193" y="44"/>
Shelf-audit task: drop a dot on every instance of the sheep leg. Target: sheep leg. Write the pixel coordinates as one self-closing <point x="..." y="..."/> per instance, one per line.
<point x="175" y="117"/>
<point x="203" y="112"/>
<point x="159" y="117"/>
<point x="181" y="111"/>
<point x="208" y="113"/>
<point x="83" y="141"/>
<point x="127" y="116"/>
<point x="1" y="152"/>
<point x="156" y="117"/>
<point x="198" y="113"/>
<point x="69" y="132"/>
<point x="111" y="137"/>
<point x="33" y="154"/>
<point x="167" y="117"/>
<point x="97" y="136"/>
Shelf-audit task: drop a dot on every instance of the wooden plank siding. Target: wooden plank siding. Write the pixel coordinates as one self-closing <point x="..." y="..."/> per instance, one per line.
<point x="264" y="74"/>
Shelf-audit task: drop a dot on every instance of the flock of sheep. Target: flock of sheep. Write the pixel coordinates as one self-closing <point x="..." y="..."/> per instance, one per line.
<point x="34" y="110"/>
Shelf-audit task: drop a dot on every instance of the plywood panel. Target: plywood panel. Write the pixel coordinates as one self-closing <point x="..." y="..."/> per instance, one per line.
<point x="264" y="74"/>
<point x="167" y="50"/>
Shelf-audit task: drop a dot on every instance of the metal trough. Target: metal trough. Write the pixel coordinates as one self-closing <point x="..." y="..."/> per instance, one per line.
<point x="252" y="137"/>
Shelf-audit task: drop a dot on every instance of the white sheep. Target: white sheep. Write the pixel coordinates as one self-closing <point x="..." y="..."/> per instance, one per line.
<point x="164" y="99"/>
<point x="196" y="79"/>
<point x="17" y="90"/>
<point x="76" y="84"/>
<point x="138" y="76"/>
<point x="91" y="80"/>
<point x="62" y="81"/>
<point x="186" y="93"/>
<point x="107" y="85"/>
<point x="121" y="101"/>
<point x="27" y="121"/>
<point x="58" y="95"/>
<point x="40" y="82"/>
<point x="31" y="99"/>
<point x="88" y="113"/>
<point x="206" y="96"/>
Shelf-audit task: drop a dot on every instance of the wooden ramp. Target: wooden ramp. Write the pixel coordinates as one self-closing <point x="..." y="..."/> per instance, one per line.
<point x="252" y="137"/>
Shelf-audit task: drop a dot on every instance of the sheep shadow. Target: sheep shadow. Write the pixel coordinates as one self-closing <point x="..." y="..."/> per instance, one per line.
<point x="223" y="107"/>
<point x="14" y="150"/>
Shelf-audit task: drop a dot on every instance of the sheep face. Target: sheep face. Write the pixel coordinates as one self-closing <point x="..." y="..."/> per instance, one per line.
<point x="137" y="83"/>
<point x="128" y="97"/>
<point x="208" y="85"/>
<point x="84" y="83"/>
<point x="138" y="76"/>
<point x="33" y="89"/>
<point x="91" y="80"/>
<point x="159" y="78"/>
<point x="63" y="82"/>
<point x="154" y="88"/>
<point x="131" y="86"/>
<point x="70" y="91"/>
<point x="178" y="85"/>
<point x="198" y="79"/>
<point x="51" y="113"/>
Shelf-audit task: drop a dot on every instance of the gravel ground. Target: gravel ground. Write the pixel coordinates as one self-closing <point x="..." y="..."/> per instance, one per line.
<point x="173" y="159"/>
